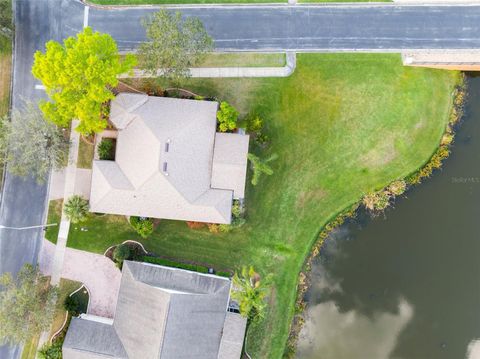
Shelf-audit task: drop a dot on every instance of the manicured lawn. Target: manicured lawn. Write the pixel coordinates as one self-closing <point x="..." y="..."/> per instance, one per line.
<point x="30" y="348"/>
<point x="246" y="59"/>
<point x="342" y="125"/>
<point x="153" y="2"/>
<point x="54" y="216"/>
<point x="65" y="288"/>
<point x="5" y="74"/>
<point x="85" y="154"/>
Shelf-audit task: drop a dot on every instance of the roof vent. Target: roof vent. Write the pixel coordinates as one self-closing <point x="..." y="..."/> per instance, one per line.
<point x="167" y="146"/>
<point x="165" y="166"/>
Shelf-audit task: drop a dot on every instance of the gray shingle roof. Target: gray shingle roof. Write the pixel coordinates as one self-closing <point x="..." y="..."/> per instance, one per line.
<point x="149" y="180"/>
<point x="90" y="340"/>
<point x="162" y="313"/>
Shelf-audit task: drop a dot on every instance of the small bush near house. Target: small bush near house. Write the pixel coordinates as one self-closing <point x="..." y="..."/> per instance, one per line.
<point x="106" y="149"/>
<point x="195" y="225"/>
<point x="122" y="252"/>
<point x="71" y="305"/>
<point x="76" y="209"/>
<point x="213" y="227"/>
<point x="142" y="225"/>
<point x="254" y="123"/>
<point x="227" y="117"/>
<point x="51" y="351"/>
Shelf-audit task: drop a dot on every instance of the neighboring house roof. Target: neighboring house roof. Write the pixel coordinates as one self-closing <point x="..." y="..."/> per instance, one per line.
<point x="165" y="152"/>
<point x="162" y="313"/>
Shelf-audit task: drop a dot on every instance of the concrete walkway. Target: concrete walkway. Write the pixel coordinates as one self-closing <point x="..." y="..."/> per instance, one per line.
<point x="69" y="190"/>
<point x="83" y="179"/>
<point x="205" y="72"/>
<point x="98" y="273"/>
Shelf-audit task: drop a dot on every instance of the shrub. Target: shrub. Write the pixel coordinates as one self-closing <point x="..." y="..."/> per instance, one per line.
<point x="195" y="225"/>
<point x="106" y="150"/>
<point x="76" y="209"/>
<point x="213" y="227"/>
<point x="227" y="117"/>
<point x="260" y="166"/>
<point x="122" y="252"/>
<point x="51" y="351"/>
<point x="224" y="228"/>
<point x="71" y="305"/>
<point x="376" y="201"/>
<point x="396" y="188"/>
<point x="254" y="123"/>
<point x="142" y="225"/>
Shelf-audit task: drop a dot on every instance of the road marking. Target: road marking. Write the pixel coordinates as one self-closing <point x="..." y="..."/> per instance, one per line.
<point x="39" y="87"/>
<point x="85" y="16"/>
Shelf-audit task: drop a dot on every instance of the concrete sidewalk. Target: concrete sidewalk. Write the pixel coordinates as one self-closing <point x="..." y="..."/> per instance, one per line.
<point x="232" y="72"/>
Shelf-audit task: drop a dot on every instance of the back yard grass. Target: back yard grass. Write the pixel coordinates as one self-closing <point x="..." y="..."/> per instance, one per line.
<point x="156" y="2"/>
<point x="342" y="125"/>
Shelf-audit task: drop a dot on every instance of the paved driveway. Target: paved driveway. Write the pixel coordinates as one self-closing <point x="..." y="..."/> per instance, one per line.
<point x="97" y="272"/>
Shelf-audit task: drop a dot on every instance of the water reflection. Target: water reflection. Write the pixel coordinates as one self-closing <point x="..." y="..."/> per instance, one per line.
<point x="406" y="286"/>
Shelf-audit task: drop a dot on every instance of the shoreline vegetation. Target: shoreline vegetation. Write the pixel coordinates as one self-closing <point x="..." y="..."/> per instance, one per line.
<point x="376" y="203"/>
<point x="342" y="125"/>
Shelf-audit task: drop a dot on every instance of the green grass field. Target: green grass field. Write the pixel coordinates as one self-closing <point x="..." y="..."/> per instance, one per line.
<point x="342" y="125"/>
<point x="159" y="2"/>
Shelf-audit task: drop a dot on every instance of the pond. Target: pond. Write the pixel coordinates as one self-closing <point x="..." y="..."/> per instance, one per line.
<point x="406" y="284"/>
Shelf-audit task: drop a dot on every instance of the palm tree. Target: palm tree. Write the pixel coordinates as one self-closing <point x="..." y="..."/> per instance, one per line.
<point x="260" y="166"/>
<point x="250" y="293"/>
<point x="76" y="209"/>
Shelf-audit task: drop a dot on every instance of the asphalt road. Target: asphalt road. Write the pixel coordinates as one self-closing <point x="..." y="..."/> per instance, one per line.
<point x="384" y="28"/>
<point x="268" y="28"/>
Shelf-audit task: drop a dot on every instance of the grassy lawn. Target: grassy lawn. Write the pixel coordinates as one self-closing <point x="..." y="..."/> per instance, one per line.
<point x="342" y="125"/>
<point x="5" y="74"/>
<point x="65" y="288"/>
<point x="85" y="154"/>
<point x="30" y="348"/>
<point x="246" y="59"/>
<point x="54" y="216"/>
<point x="153" y="2"/>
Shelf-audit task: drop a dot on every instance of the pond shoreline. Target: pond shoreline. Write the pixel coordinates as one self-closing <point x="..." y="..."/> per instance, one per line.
<point x="458" y="100"/>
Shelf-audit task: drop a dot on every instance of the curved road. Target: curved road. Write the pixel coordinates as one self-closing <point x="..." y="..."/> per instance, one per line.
<point x="380" y="27"/>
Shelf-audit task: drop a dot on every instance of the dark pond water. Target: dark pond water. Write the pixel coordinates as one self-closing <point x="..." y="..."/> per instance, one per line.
<point x="406" y="285"/>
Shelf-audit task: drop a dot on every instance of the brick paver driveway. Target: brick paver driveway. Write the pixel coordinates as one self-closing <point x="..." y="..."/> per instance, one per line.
<point x="95" y="271"/>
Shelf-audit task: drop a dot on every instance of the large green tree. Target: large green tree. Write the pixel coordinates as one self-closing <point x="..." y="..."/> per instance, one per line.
<point x="78" y="77"/>
<point x="175" y="44"/>
<point x="27" y="304"/>
<point x="5" y="18"/>
<point x="31" y="145"/>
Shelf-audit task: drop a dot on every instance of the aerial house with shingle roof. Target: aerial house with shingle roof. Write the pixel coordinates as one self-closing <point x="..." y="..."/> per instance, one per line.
<point x="170" y="162"/>
<point x="162" y="313"/>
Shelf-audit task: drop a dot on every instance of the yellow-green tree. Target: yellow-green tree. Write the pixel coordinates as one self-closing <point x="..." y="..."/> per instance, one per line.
<point x="78" y="77"/>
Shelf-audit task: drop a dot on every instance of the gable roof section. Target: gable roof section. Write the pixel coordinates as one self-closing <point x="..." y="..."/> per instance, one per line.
<point x="196" y="309"/>
<point x="88" y="339"/>
<point x="229" y="169"/>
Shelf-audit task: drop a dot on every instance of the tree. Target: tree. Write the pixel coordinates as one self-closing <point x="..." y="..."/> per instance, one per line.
<point x="260" y="166"/>
<point x="78" y="77"/>
<point x="142" y="225"/>
<point x="250" y="293"/>
<point x="122" y="252"/>
<point x="51" y="351"/>
<point x="31" y="145"/>
<point x="27" y="304"/>
<point x="174" y="45"/>
<point x="76" y="209"/>
<point x="6" y="18"/>
<point x="227" y="117"/>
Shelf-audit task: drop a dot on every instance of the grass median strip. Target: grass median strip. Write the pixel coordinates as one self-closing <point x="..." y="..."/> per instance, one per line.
<point x="342" y="125"/>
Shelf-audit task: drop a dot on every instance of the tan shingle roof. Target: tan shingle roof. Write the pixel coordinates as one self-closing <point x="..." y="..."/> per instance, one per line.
<point x="230" y="163"/>
<point x="164" y="159"/>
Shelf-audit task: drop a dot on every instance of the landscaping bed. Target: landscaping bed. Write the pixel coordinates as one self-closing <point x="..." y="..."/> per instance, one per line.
<point x="343" y="125"/>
